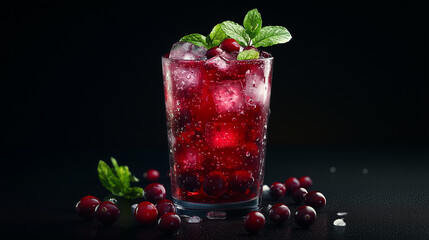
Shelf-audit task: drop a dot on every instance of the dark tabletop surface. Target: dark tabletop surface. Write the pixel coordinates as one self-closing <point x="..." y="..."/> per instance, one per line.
<point x="384" y="190"/>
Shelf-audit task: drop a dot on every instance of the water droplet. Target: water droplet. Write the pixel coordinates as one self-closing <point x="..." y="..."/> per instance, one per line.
<point x="339" y="222"/>
<point x="342" y="214"/>
<point x="332" y="169"/>
<point x="365" y="171"/>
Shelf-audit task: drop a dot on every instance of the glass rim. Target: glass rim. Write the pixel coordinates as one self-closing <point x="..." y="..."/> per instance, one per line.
<point x="165" y="56"/>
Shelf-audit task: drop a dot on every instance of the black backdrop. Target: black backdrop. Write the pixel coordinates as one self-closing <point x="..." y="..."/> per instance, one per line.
<point x="86" y="74"/>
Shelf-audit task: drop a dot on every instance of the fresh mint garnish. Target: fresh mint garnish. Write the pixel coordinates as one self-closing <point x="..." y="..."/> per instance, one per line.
<point x="248" y="54"/>
<point x="117" y="180"/>
<point x="250" y="34"/>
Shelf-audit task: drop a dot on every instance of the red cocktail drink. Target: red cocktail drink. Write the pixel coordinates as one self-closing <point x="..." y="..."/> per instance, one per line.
<point x="217" y="114"/>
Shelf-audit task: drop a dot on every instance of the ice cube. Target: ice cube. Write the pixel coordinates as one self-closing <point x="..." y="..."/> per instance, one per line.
<point x="223" y="135"/>
<point x="194" y="219"/>
<point x="339" y="222"/>
<point x="228" y="96"/>
<point x="189" y="159"/>
<point x="257" y="87"/>
<point x="185" y="78"/>
<point x="218" y="215"/>
<point x="220" y="62"/>
<point x="187" y="51"/>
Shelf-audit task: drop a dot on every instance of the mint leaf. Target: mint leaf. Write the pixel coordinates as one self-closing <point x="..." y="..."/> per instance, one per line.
<point x="252" y="22"/>
<point x="271" y="35"/>
<point x="248" y="54"/>
<point x="236" y="31"/>
<point x="195" y="38"/>
<point x="216" y="36"/>
<point x="117" y="180"/>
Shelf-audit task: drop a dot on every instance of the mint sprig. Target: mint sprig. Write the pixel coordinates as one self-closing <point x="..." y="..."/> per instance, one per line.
<point x="117" y="180"/>
<point x="251" y="33"/>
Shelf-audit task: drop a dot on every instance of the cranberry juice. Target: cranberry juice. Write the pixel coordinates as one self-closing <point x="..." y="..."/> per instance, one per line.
<point x="217" y="113"/>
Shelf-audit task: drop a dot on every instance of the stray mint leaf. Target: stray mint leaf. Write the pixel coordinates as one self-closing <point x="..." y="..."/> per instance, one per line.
<point x="195" y="38"/>
<point x="236" y="31"/>
<point x="248" y="54"/>
<point x="216" y="36"/>
<point x="117" y="180"/>
<point x="271" y="35"/>
<point x="252" y="22"/>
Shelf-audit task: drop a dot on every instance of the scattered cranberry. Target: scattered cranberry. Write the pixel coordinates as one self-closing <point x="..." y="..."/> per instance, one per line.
<point x="279" y="213"/>
<point x="154" y="192"/>
<point x="146" y="213"/>
<point x="169" y="223"/>
<point x="215" y="184"/>
<point x="189" y="182"/>
<point x="291" y="184"/>
<point x="315" y="199"/>
<point x="298" y="195"/>
<point x="107" y="212"/>
<point x="304" y="216"/>
<point x="250" y="48"/>
<point x="254" y="222"/>
<point x="213" y="52"/>
<point x="305" y="182"/>
<point x="164" y="206"/>
<point x="86" y="206"/>
<point x="277" y="190"/>
<point x="241" y="180"/>
<point x="230" y="45"/>
<point x="151" y="175"/>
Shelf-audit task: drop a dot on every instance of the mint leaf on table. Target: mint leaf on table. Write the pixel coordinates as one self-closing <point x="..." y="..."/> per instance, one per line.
<point x="195" y="38"/>
<point x="271" y="35"/>
<point x="216" y="36"/>
<point x="236" y="31"/>
<point x="252" y="22"/>
<point x="117" y="180"/>
<point x="248" y="54"/>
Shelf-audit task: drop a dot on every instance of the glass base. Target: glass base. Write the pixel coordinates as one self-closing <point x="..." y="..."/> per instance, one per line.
<point x="217" y="210"/>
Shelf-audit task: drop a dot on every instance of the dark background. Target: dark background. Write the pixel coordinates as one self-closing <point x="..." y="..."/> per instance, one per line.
<point x="81" y="81"/>
<point x="86" y="74"/>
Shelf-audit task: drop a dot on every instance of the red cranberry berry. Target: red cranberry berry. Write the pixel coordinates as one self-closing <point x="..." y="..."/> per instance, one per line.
<point x="189" y="181"/>
<point x="304" y="216"/>
<point x="145" y="213"/>
<point x="305" y="182"/>
<point x="164" y="206"/>
<point x="151" y="175"/>
<point x="215" y="184"/>
<point x="291" y="184"/>
<point x="298" y="195"/>
<point x="254" y="222"/>
<point x="154" y="192"/>
<point x="107" y="212"/>
<point x="315" y="199"/>
<point x="169" y="223"/>
<point x="213" y="52"/>
<point x="277" y="190"/>
<point x="86" y="206"/>
<point x="279" y="213"/>
<point x="241" y="180"/>
<point x="230" y="45"/>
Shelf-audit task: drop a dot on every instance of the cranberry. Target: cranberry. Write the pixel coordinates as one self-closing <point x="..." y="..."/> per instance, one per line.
<point x="279" y="213"/>
<point x="86" y="206"/>
<point x="151" y="175"/>
<point x="298" y="195"/>
<point x="189" y="182"/>
<point x="169" y="223"/>
<point x="230" y="45"/>
<point x="154" y="192"/>
<point x="241" y="180"/>
<point x="277" y="190"/>
<point x="146" y="213"/>
<point x="107" y="212"/>
<point x="315" y="199"/>
<point x="254" y="222"/>
<point x="164" y="206"/>
<point x="213" y="52"/>
<point x="291" y="184"/>
<point x="215" y="184"/>
<point x="305" y="182"/>
<point x="304" y="216"/>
